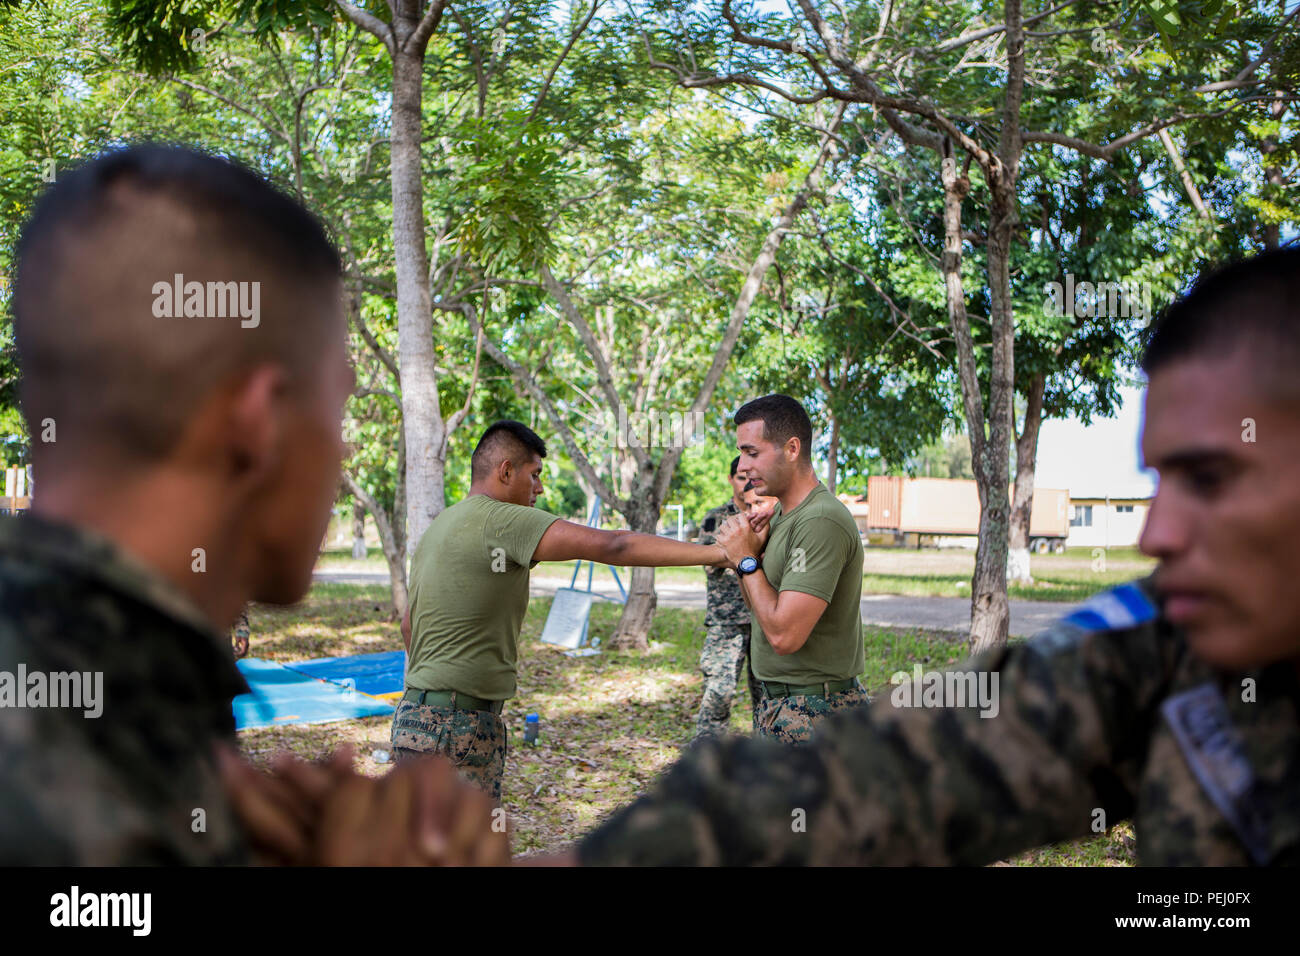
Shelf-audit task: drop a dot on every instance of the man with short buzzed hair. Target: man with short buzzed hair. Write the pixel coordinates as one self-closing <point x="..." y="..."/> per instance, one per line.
<point x="186" y="464"/>
<point x="469" y="594"/>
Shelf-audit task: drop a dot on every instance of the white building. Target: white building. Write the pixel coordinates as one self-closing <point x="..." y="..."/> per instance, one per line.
<point x="1111" y="520"/>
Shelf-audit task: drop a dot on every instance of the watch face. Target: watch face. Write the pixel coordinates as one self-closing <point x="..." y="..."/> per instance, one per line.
<point x="747" y="565"/>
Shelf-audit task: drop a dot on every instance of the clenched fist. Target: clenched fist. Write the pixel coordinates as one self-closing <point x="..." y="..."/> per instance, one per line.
<point x="738" y="539"/>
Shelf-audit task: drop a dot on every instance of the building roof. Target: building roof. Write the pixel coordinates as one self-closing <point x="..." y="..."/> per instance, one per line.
<point x="1131" y="493"/>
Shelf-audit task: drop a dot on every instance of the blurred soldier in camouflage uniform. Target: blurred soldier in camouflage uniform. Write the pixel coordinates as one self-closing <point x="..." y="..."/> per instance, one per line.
<point x="1173" y="701"/>
<point x="185" y="444"/>
<point x="726" y="620"/>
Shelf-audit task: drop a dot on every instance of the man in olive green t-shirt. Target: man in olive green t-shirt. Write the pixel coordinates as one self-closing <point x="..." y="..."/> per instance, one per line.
<point x="469" y="593"/>
<point x="805" y="596"/>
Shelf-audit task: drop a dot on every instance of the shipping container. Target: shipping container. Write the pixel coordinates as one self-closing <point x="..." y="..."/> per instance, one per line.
<point x="946" y="506"/>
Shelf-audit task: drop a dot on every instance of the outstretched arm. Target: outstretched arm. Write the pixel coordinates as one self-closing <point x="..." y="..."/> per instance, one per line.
<point x="565" y="541"/>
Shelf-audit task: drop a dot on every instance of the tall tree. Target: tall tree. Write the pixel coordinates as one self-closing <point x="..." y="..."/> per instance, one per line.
<point x="949" y="81"/>
<point x="650" y="328"/>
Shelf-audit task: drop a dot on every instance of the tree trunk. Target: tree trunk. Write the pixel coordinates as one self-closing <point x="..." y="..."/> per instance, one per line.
<point x="832" y="459"/>
<point x="394" y="554"/>
<point x="1272" y="172"/>
<point x="985" y="587"/>
<point x="634" y="626"/>
<point x="1022" y="500"/>
<point x="990" y="612"/>
<point x="358" y="531"/>
<point x="990" y="438"/>
<point x="421" y="415"/>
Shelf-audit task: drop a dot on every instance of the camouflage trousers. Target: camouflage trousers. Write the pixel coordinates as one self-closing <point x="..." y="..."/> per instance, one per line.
<point x="792" y="720"/>
<point x="723" y="660"/>
<point x="474" y="740"/>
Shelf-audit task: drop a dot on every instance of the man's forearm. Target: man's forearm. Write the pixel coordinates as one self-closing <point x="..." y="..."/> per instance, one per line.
<point x="762" y="599"/>
<point x="651" y="551"/>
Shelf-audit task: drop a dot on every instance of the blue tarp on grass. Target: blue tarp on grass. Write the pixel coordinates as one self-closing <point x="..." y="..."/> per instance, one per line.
<point x="376" y="674"/>
<point x="283" y="696"/>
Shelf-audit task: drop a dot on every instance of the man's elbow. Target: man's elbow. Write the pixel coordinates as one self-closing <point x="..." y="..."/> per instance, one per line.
<point x="785" y="643"/>
<point x="782" y="644"/>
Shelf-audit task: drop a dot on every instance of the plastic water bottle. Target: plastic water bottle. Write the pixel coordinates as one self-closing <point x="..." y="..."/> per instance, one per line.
<point x="531" y="727"/>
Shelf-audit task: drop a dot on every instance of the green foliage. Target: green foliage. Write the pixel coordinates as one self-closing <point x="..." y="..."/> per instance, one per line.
<point x="1179" y="22"/>
<point x="700" y="482"/>
<point x="946" y="457"/>
<point x="171" y="36"/>
<point x="162" y="37"/>
<point x="514" y="171"/>
<point x="652" y="201"/>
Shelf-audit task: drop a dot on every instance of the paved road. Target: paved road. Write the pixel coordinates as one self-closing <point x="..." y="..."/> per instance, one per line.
<point x="943" y="613"/>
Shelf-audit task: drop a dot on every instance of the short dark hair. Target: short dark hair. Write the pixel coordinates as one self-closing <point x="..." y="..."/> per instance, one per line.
<point x="92" y="355"/>
<point x="783" y="418"/>
<point x="735" y="464"/>
<point x="1253" y="302"/>
<point x="504" y="439"/>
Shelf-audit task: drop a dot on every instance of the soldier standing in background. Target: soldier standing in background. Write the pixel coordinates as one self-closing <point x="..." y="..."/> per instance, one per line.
<point x="240" y="634"/>
<point x="726" y="622"/>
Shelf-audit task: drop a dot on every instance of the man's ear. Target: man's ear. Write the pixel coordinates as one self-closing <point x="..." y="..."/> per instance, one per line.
<point x="255" y="419"/>
<point x="505" y="470"/>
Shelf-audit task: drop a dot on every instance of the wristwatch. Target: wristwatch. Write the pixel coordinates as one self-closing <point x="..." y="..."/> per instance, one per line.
<point x="747" y="565"/>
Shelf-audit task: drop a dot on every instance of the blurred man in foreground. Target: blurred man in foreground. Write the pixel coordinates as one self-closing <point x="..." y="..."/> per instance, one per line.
<point x="184" y="359"/>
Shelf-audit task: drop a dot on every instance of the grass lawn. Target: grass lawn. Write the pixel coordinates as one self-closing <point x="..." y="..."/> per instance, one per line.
<point x="610" y="723"/>
<point x="1074" y="576"/>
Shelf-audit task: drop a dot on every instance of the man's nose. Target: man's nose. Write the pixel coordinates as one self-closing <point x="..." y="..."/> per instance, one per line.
<point x="1166" y="529"/>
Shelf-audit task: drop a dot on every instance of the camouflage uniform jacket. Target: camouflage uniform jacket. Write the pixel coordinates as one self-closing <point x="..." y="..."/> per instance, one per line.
<point x="122" y="787"/>
<point x="724" y="604"/>
<point x="1106" y="710"/>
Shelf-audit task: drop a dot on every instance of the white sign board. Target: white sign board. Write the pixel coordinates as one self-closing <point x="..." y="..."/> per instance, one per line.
<point x="566" y="624"/>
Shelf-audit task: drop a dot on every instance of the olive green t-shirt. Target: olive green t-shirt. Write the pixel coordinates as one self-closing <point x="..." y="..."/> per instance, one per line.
<point x="469" y="594"/>
<point x="815" y="549"/>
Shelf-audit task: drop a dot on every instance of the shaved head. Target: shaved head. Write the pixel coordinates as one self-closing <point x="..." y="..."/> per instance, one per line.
<point x="149" y="277"/>
<point x="505" y="441"/>
<point x="1251" y="306"/>
<point x="507" y="463"/>
<point x="184" y="360"/>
